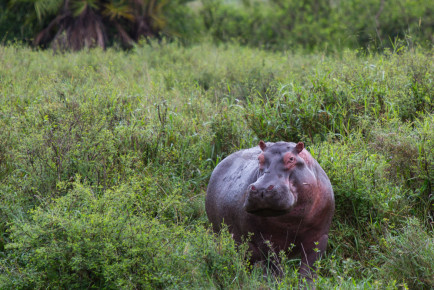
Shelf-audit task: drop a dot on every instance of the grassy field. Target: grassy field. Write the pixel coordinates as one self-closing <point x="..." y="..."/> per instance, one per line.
<point x="105" y="158"/>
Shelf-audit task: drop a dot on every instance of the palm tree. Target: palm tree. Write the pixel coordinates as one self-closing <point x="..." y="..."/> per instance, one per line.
<point x="76" y="24"/>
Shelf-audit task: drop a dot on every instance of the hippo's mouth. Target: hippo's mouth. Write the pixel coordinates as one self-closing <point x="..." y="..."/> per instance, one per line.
<point x="268" y="212"/>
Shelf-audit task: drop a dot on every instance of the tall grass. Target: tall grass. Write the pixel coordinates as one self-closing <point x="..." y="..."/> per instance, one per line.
<point x="105" y="158"/>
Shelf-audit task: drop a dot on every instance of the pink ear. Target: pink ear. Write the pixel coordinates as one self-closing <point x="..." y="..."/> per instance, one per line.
<point x="262" y="145"/>
<point x="299" y="147"/>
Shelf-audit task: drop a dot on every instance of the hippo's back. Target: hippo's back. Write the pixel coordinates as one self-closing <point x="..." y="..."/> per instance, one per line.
<point x="227" y="185"/>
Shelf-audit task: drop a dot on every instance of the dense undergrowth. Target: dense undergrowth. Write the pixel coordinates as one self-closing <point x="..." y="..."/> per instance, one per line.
<point x="105" y="158"/>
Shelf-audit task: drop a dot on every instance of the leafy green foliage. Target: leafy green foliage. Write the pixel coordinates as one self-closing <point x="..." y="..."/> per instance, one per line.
<point x="105" y="157"/>
<point x="325" y="25"/>
<point x="115" y="240"/>
<point x="319" y="25"/>
<point x="76" y="24"/>
<point x="398" y="252"/>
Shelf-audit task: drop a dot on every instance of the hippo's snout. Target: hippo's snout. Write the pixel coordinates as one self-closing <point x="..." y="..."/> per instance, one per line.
<point x="269" y="200"/>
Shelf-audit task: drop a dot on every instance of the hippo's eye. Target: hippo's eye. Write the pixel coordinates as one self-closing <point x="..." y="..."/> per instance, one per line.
<point x="289" y="160"/>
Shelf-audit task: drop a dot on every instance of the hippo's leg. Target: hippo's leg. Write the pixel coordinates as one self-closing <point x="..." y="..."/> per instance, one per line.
<point x="311" y="252"/>
<point x="267" y="257"/>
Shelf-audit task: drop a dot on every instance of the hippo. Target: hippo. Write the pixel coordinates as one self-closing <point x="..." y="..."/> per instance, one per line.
<point x="279" y="193"/>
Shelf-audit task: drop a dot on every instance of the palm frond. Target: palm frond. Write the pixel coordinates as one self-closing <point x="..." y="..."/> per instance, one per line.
<point x="118" y="9"/>
<point x="79" y="6"/>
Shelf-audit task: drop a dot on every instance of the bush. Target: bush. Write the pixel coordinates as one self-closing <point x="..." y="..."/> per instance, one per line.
<point x="321" y="25"/>
<point x="340" y="98"/>
<point x="408" y="255"/>
<point x="406" y="146"/>
<point x="116" y="240"/>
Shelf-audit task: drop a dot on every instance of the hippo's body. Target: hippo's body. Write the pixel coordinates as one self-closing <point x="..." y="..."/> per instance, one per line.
<point x="278" y="192"/>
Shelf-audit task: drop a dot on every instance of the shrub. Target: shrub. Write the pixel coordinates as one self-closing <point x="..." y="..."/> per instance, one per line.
<point x="82" y="240"/>
<point x="319" y="24"/>
<point x="408" y="255"/>
<point x="406" y="147"/>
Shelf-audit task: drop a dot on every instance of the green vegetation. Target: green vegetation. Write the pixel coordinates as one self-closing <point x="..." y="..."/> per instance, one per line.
<point x="313" y="24"/>
<point x="78" y="24"/>
<point x="105" y="158"/>
<point x="273" y="24"/>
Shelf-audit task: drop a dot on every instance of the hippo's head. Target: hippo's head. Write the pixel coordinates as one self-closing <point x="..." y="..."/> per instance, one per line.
<point x="274" y="193"/>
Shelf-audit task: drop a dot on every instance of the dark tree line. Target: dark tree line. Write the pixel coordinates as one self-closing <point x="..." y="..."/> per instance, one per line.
<point x="280" y="24"/>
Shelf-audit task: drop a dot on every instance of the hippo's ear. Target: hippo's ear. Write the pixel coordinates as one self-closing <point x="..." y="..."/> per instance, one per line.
<point x="299" y="147"/>
<point x="262" y="145"/>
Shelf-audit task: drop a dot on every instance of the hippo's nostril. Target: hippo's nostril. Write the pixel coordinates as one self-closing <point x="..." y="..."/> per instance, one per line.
<point x="270" y="187"/>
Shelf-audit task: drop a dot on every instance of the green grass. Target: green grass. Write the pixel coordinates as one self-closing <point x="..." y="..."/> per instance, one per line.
<point x="105" y="158"/>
